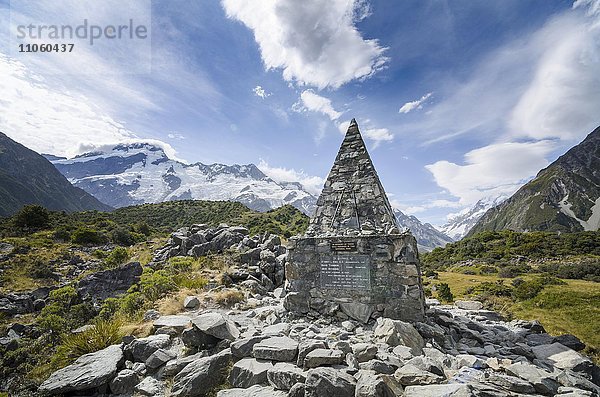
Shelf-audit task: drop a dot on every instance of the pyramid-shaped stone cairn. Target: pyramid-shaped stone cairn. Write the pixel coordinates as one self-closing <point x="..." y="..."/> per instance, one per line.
<point x="353" y="261"/>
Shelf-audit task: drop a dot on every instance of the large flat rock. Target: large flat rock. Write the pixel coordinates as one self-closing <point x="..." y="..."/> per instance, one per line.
<point x="277" y="349"/>
<point x="452" y="390"/>
<point x="87" y="372"/>
<point x="249" y="372"/>
<point x="177" y="322"/>
<point x="253" y="391"/>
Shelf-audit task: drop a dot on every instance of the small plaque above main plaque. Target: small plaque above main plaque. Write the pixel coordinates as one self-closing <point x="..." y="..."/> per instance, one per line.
<point x="345" y="271"/>
<point x="343" y="246"/>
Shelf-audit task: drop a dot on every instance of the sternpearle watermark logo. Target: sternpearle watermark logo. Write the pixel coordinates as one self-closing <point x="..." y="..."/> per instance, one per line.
<point x="83" y="36"/>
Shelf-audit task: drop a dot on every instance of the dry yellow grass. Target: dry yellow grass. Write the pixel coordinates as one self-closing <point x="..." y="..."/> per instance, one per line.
<point x="227" y="297"/>
<point x="573" y="308"/>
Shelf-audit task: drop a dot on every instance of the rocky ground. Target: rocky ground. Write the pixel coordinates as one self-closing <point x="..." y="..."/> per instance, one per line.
<point x="259" y="349"/>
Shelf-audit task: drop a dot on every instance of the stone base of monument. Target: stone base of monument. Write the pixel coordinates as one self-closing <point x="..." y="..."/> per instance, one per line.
<point x="364" y="277"/>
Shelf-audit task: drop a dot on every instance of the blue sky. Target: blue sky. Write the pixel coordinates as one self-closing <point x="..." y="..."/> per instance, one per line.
<point x="458" y="100"/>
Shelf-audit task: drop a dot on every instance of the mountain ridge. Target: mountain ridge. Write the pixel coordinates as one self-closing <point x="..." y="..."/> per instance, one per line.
<point x="138" y="173"/>
<point x="26" y="177"/>
<point x="563" y="197"/>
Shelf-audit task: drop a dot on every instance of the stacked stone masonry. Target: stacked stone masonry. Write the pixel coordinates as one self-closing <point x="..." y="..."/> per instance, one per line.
<point x="353" y="259"/>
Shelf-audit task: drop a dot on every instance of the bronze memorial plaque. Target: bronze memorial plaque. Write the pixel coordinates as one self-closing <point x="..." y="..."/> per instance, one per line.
<point x="345" y="271"/>
<point x="343" y="246"/>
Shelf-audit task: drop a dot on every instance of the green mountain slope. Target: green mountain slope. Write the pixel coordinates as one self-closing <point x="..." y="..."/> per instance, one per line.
<point x="565" y="196"/>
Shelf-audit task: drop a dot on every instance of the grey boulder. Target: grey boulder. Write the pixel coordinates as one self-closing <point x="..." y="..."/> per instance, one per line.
<point x="199" y="377"/>
<point x="253" y="391"/>
<point x="327" y="382"/>
<point x="249" y="372"/>
<point x="87" y="372"/>
<point x="284" y="376"/>
<point x="277" y="349"/>
<point x="450" y="390"/>
<point x="141" y="349"/>
<point x="124" y="382"/>
<point x="216" y="325"/>
<point x="396" y="332"/>
<point x="321" y="357"/>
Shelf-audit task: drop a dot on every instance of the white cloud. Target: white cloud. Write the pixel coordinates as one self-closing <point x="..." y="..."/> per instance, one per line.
<point x="554" y="86"/>
<point x="260" y="92"/>
<point x="54" y="121"/>
<point x="47" y="120"/>
<point x="176" y="135"/>
<point x="424" y="205"/>
<point x="343" y="126"/>
<point x="491" y="171"/>
<point x="312" y="184"/>
<point x="563" y="98"/>
<point x="314" y="43"/>
<point x="378" y="135"/>
<point x="316" y="103"/>
<point x="417" y="104"/>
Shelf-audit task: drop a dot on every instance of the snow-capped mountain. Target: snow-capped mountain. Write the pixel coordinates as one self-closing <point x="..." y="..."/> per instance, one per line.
<point x="459" y="224"/>
<point x="427" y="236"/>
<point x="130" y="174"/>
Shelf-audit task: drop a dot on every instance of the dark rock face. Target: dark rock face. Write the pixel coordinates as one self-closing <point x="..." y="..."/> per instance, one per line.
<point x="353" y="261"/>
<point x="28" y="178"/>
<point x="109" y="283"/>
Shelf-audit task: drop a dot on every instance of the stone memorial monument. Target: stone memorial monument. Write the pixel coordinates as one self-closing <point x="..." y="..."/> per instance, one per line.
<point x="353" y="260"/>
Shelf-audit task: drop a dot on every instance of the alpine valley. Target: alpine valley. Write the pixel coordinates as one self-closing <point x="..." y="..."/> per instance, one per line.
<point x="131" y="174"/>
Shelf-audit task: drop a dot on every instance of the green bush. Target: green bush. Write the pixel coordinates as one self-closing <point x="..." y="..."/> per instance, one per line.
<point x="62" y="234"/>
<point x="117" y="257"/>
<point x="32" y="217"/>
<point x="156" y="284"/>
<point x="143" y="228"/>
<point x="132" y="303"/>
<point x="527" y="290"/>
<point x="87" y="236"/>
<point x="509" y="272"/>
<point x="190" y="280"/>
<point x="488" y="288"/>
<point x="123" y="236"/>
<point x="444" y="293"/>
<point x="64" y="311"/>
<point x="109" y="308"/>
<point x="181" y="263"/>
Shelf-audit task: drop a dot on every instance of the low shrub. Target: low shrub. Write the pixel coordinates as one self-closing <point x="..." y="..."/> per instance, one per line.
<point x="87" y="236"/>
<point x="527" y="290"/>
<point x="117" y="257"/>
<point x="190" y="280"/>
<point x="62" y="234"/>
<point x="122" y="236"/>
<point x="444" y="293"/>
<point x="488" y="288"/>
<point x="155" y="284"/>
